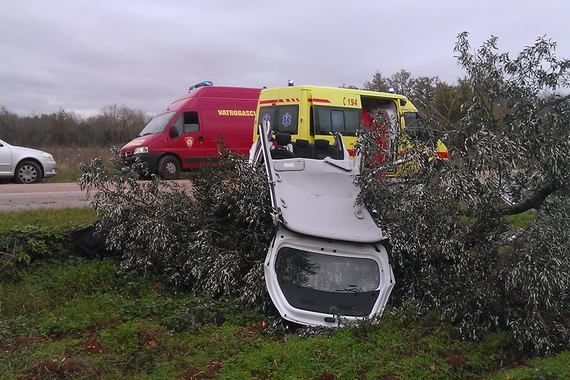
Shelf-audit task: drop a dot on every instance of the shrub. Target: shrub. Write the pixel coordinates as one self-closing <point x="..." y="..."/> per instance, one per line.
<point x="22" y="245"/>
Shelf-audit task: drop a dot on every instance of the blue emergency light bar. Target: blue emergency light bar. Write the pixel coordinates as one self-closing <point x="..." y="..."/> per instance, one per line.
<point x="201" y="84"/>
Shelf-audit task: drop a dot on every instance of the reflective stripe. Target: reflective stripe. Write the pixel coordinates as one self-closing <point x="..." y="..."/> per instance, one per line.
<point x="443" y="154"/>
<point x="318" y="100"/>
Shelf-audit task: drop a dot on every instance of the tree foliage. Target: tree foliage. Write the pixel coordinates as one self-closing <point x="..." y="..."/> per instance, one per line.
<point x="438" y="102"/>
<point x="211" y="238"/>
<point x="454" y="246"/>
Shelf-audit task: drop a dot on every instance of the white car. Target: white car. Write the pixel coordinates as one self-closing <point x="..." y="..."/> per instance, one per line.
<point x="25" y="165"/>
<point x="327" y="264"/>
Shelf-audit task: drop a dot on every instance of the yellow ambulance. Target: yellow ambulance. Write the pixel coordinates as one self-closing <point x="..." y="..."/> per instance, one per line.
<point x="308" y="114"/>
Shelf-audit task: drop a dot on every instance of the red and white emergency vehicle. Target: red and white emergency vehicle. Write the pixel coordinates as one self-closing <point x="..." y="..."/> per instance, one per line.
<point x="193" y="129"/>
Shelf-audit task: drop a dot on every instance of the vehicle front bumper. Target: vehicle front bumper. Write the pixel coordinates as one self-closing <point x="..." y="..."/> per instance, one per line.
<point x="50" y="168"/>
<point x="149" y="161"/>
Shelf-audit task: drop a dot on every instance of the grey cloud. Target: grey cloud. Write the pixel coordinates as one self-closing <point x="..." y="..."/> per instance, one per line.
<point x="82" y="55"/>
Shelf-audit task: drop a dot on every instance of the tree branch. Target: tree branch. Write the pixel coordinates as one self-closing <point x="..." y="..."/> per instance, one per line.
<point x="534" y="201"/>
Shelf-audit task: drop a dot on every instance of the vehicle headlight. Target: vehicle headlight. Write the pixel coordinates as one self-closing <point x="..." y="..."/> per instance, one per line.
<point x="141" y="149"/>
<point x="48" y="156"/>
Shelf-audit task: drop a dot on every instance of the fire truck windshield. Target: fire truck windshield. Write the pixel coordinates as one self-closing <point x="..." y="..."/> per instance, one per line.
<point x="157" y="124"/>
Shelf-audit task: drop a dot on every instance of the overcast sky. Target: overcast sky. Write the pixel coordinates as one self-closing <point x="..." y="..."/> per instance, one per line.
<point x="82" y="55"/>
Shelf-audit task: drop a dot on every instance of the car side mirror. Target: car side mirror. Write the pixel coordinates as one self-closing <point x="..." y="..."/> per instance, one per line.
<point x="174" y="133"/>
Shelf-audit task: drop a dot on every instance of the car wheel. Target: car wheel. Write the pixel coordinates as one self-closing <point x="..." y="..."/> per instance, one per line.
<point x="169" y="167"/>
<point x="28" y="172"/>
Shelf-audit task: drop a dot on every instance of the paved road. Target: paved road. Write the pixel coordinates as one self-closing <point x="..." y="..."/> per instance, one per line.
<point x="15" y="197"/>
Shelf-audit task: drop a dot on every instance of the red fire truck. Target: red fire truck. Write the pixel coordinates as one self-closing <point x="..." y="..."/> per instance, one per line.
<point x="191" y="131"/>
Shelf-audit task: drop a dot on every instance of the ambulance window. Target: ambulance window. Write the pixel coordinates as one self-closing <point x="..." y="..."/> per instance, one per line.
<point x="411" y="120"/>
<point x="286" y="120"/>
<point x="191" y="122"/>
<point x="337" y="121"/>
<point x="323" y="121"/>
<point x="351" y="122"/>
<point x="266" y="114"/>
<point x="414" y="127"/>
<point x="345" y="121"/>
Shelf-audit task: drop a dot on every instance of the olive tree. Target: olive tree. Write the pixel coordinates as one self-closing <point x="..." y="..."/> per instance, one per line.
<point x="211" y="237"/>
<point x="485" y="237"/>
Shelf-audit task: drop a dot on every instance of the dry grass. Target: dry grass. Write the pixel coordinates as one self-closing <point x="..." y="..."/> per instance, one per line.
<point x="69" y="160"/>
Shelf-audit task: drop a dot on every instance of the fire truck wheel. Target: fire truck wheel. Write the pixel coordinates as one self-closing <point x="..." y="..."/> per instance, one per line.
<point x="169" y="167"/>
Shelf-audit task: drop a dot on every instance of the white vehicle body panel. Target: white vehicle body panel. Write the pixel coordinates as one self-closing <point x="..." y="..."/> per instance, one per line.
<point x="327" y="264"/>
<point x="285" y="238"/>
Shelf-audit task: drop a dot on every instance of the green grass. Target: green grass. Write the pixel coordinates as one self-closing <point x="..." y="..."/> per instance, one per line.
<point x="77" y="318"/>
<point x="58" y="220"/>
<point x="84" y="313"/>
<point x="556" y="367"/>
<point x="521" y="221"/>
<point x="64" y="176"/>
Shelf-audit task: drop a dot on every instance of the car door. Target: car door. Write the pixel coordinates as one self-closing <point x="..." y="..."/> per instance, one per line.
<point x="5" y="158"/>
<point x="187" y="139"/>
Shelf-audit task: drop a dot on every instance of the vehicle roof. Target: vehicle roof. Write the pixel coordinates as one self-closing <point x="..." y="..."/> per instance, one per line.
<point x="226" y="92"/>
<point x="334" y="89"/>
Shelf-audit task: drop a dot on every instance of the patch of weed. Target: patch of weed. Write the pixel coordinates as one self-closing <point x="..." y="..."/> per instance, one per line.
<point x="51" y="285"/>
<point x="81" y="313"/>
<point x="550" y="368"/>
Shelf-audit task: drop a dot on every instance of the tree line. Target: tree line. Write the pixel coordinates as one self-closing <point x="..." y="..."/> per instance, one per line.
<point x="114" y="125"/>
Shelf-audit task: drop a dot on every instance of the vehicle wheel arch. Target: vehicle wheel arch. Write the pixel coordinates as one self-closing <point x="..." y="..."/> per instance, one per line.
<point x="171" y="154"/>
<point x="32" y="159"/>
<point x="168" y="154"/>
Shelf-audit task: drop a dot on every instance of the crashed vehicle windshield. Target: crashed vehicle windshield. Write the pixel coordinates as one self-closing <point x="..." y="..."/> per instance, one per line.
<point x="320" y="282"/>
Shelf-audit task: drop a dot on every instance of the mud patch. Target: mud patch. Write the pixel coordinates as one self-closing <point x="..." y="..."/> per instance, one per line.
<point x="150" y="337"/>
<point x="253" y="329"/>
<point x="455" y="360"/>
<point x="207" y="373"/>
<point x="13" y="345"/>
<point x="61" y="368"/>
<point x="93" y="346"/>
<point x="87" y="331"/>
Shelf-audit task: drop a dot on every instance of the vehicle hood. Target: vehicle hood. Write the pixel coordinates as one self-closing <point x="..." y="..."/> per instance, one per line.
<point x="28" y="151"/>
<point x="139" y="141"/>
